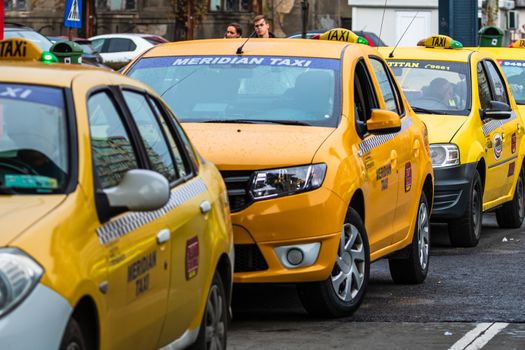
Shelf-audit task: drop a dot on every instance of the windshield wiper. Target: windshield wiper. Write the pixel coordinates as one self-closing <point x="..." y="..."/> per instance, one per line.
<point x="427" y="111"/>
<point x="257" y="121"/>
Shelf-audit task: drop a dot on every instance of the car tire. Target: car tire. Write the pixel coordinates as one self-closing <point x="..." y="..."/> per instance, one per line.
<point x="73" y="338"/>
<point x="466" y="231"/>
<point x="511" y="214"/>
<point x="343" y="291"/>
<point x="214" y="324"/>
<point x="414" y="268"/>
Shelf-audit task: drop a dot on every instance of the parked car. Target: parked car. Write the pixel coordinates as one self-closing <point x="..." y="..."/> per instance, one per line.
<point x="14" y="30"/>
<point x="116" y="234"/>
<point x="372" y="38"/>
<point x="122" y="48"/>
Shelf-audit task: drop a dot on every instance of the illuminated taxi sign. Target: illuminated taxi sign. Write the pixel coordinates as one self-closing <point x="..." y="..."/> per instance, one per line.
<point x="342" y="34"/>
<point x="518" y="44"/>
<point x="19" y="50"/>
<point x="440" y="41"/>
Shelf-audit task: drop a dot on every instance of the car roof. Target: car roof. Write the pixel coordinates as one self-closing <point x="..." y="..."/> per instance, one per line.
<point x="424" y="53"/>
<point x="59" y="75"/>
<point x="253" y="47"/>
<point x="504" y="52"/>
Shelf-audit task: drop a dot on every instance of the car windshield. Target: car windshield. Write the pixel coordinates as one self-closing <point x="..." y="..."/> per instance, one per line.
<point x="38" y="39"/>
<point x="434" y="86"/>
<point x="515" y="74"/>
<point x="246" y="89"/>
<point x="33" y="141"/>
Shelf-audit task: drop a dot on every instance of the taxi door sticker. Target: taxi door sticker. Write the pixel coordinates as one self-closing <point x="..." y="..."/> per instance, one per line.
<point x="375" y="141"/>
<point x="120" y="227"/>
<point x="494" y="124"/>
<point x="408" y="177"/>
<point x="497" y="141"/>
<point x="513" y="143"/>
<point x="512" y="167"/>
<point x="382" y="175"/>
<point x="138" y="272"/>
<point x="192" y="257"/>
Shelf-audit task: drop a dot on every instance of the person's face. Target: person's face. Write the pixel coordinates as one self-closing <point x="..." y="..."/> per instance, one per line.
<point x="261" y="28"/>
<point x="231" y="32"/>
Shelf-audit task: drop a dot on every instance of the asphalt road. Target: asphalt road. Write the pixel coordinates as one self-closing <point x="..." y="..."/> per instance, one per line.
<point x="473" y="298"/>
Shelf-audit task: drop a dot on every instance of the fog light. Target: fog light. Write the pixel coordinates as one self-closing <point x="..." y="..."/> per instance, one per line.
<point x="295" y="256"/>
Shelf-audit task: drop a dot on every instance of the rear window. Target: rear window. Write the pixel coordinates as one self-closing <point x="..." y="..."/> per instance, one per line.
<point x="251" y="89"/>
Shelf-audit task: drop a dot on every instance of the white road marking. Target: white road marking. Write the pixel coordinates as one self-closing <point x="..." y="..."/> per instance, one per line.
<point x="479" y="336"/>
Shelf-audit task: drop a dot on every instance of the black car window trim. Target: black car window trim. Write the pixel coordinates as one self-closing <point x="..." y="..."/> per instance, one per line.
<point x="370" y="94"/>
<point x="485" y="73"/>
<point x="393" y="83"/>
<point x="176" y="137"/>
<point x="486" y="63"/>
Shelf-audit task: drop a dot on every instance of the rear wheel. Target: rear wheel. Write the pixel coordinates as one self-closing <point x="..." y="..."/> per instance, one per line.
<point x="342" y="292"/>
<point x="73" y="338"/>
<point x="511" y="214"/>
<point x="465" y="231"/>
<point x="212" y="334"/>
<point x="414" y="268"/>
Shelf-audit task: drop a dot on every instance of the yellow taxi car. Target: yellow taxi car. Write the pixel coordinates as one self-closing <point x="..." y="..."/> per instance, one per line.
<point x="327" y="167"/>
<point x="115" y="233"/>
<point x="475" y="133"/>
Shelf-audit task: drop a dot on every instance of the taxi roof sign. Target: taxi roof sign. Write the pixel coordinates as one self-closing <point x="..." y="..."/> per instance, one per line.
<point x="18" y="49"/>
<point x="342" y="34"/>
<point x="520" y="43"/>
<point x="440" y="41"/>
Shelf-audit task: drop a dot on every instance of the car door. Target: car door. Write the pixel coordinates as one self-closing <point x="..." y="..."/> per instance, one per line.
<point x="408" y="148"/>
<point x="511" y="130"/>
<point x="379" y="155"/>
<point x="136" y="291"/>
<point x="186" y="213"/>
<point x="493" y="130"/>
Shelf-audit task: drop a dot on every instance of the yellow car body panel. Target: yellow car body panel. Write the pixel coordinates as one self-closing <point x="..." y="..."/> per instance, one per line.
<point x="354" y="170"/>
<point x="142" y="293"/>
<point x="496" y="147"/>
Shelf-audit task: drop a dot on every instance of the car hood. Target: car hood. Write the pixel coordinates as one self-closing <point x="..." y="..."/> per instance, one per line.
<point x="442" y="128"/>
<point x="18" y="212"/>
<point x="256" y="146"/>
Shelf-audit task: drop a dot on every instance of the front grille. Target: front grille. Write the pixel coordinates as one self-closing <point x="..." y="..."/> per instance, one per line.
<point x="238" y="187"/>
<point x="249" y="258"/>
<point x="446" y="199"/>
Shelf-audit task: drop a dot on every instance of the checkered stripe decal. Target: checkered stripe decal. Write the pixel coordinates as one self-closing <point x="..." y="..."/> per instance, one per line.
<point x="494" y="124"/>
<point x="375" y="141"/>
<point x="132" y="221"/>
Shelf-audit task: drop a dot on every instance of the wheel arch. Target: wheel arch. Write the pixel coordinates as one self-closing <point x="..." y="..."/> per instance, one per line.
<point x="481" y="168"/>
<point x="86" y="314"/>
<point x="224" y="269"/>
<point x="428" y="189"/>
<point x="358" y="203"/>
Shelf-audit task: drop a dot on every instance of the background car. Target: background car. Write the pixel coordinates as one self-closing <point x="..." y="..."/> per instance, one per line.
<point x="372" y="38"/>
<point x="122" y="48"/>
<point x="14" y="30"/>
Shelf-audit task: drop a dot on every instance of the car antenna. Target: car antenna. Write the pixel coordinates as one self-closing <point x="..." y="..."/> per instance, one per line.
<point x="239" y="49"/>
<point x="382" y="20"/>
<point x="408" y="26"/>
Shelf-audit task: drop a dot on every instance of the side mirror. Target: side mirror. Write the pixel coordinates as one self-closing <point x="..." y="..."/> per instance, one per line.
<point x="496" y="110"/>
<point x="139" y="190"/>
<point x="383" y="121"/>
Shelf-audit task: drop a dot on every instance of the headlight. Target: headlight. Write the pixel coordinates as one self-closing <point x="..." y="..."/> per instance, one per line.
<point x="444" y="155"/>
<point x="18" y="276"/>
<point x="286" y="181"/>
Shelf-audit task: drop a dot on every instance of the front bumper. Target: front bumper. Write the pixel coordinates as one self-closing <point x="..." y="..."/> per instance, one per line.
<point x="302" y="219"/>
<point x="452" y="191"/>
<point x="37" y="323"/>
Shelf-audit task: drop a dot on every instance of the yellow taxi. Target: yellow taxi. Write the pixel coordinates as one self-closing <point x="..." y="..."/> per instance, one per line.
<point x="475" y="133"/>
<point x="115" y="233"/>
<point x="327" y="167"/>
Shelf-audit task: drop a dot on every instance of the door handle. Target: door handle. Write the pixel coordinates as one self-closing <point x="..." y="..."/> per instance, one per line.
<point x="163" y="236"/>
<point x="205" y="207"/>
<point x="393" y="159"/>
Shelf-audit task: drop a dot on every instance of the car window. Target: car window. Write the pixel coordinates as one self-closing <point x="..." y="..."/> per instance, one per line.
<point x="113" y="154"/>
<point x="36" y="38"/>
<point x="156" y="147"/>
<point x="497" y="83"/>
<point x="364" y="97"/>
<point x="120" y="45"/>
<point x="181" y="163"/>
<point x="515" y="73"/>
<point x="385" y="83"/>
<point x="483" y="87"/>
<point x="97" y="44"/>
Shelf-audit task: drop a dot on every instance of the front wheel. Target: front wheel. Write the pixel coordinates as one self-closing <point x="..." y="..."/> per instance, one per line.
<point x="511" y="214"/>
<point x="213" y="331"/>
<point x="414" y="268"/>
<point x="73" y="338"/>
<point x="342" y="293"/>
<point x="466" y="231"/>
